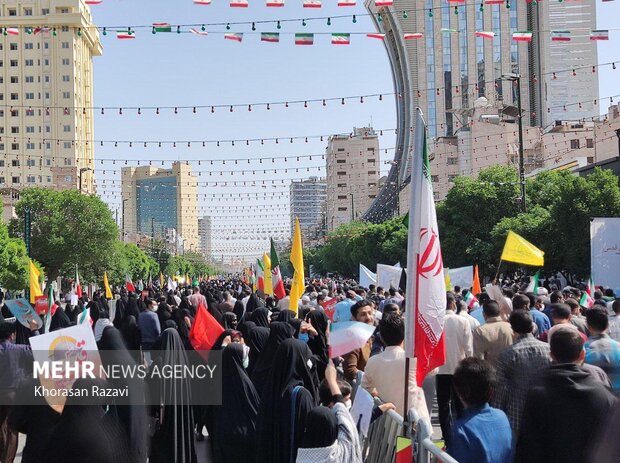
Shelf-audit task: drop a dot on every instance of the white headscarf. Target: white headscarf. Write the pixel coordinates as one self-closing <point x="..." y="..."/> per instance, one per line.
<point x="101" y="325"/>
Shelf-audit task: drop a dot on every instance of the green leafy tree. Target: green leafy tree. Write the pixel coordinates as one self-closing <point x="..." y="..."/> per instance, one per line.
<point x="68" y="228"/>
<point x="13" y="262"/>
<point x="179" y="265"/>
<point x="139" y="264"/>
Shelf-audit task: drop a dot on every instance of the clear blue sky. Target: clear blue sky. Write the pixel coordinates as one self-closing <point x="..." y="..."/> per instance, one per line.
<point x="172" y="69"/>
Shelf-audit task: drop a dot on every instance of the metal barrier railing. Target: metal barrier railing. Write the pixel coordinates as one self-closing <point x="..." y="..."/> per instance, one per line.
<point x="425" y="450"/>
<point x="380" y="444"/>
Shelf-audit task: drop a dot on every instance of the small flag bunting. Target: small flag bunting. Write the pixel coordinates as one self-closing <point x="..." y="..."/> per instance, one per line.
<point x="485" y="34"/>
<point x="162" y="27"/>
<point x="599" y="35"/>
<point x="235" y="36"/>
<point x="39" y="30"/>
<point x="383" y="3"/>
<point x="312" y="3"/>
<point x="125" y="35"/>
<point x="447" y="30"/>
<point x="413" y="35"/>
<point x="12" y="30"/>
<point x="522" y="36"/>
<point x="272" y="37"/>
<point x="341" y="39"/>
<point x="493" y="2"/>
<point x="376" y="36"/>
<point x="304" y="39"/>
<point x="346" y="2"/>
<point x="93" y="2"/>
<point x="197" y="32"/>
<point x="202" y="2"/>
<point x="275" y="3"/>
<point x="239" y="3"/>
<point x="560" y="36"/>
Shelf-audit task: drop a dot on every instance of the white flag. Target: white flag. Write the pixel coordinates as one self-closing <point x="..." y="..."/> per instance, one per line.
<point x="367" y="278"/>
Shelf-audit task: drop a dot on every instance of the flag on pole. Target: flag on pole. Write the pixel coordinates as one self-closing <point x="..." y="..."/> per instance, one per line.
<point x="475" y="285"/>
<point x="276" y="277"/>
<point x="470" y="300"/>
<point x="204" y="332"/>
<point x="35" y="282"/>
<point x="260" y="275"/>
<point x="590" y="287"/>
<point x="448" y="281"/>
<point x="532" y="287"/>
<point x="426" y="288"/>
<point x="84" y="317"/>
<point x="171" y="284"/>
<point x="106" y="286"/>
<point x="518" y="249"/>
<point x="78" y="287"/>
<point x="129" y="284"/>
<point x="341" y="39"/>
<point x="162" y="281"/>
<point x="298" y="287"/>
<point x="267" y="269"/>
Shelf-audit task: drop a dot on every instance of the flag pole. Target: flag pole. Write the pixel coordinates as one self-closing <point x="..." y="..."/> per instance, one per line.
<point x="497" y="273"/>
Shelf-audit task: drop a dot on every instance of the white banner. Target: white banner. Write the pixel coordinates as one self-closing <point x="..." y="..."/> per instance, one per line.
<point x="461" y="276"/>
<point x="388" y="275"/>
<point x="605" y="251"/>
<point x="367" y="278"/>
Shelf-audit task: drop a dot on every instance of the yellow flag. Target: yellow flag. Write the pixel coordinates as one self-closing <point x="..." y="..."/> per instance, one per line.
<point x="35" y="282"/>
<point x="106" y="286"/>
<point x="448" y="280"/>
<point x="161" y="280"/>
<point x="518" y="249"/>
<point x="297" y="260"/>
<point x="267" y="276"/>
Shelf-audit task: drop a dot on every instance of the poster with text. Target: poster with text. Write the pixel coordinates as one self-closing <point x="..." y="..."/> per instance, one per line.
<point x="605" y="251"/>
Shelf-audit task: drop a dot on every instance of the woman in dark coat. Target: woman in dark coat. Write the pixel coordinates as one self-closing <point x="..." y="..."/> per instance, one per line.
<point x="277" y="334"/>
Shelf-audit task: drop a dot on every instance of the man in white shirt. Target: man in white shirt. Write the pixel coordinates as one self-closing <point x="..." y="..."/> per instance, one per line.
<point x="384" y="374"/>
<point x="459" y="344"/>
<point x="197" y="299"/>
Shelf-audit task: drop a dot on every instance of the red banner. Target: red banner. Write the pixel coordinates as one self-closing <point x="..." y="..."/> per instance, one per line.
<point x="329" y="308"/>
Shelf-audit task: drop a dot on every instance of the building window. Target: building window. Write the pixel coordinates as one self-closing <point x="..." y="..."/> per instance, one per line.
<point x="27" y="11"/>
<point x="67" y="146"/>
<point x="342" y="208"/>
<point x="451" y="178"/>
<point x="15" y="146"/>
<point x="342" y="172"/>
<point x="371" y="160"/>
<point x="30" y="146"/>
<point x="45" y="11"/>
<point x="14" y="96"/>
<point x="14" y="79"/>
<point x="435" y="178"/>
<point x="46" y="45"/>
<point x="28" y="62"/>
<point x="372" y="172"/>
<point x="340" y="149"/>
<point x="14" y="63"/>
<point x="48" y="162"/>
<point x="342" y="185"/>
<point x="13" y="46"/>
<point x="66" y="128"/>
<point x="12" y="12"/>
<point x="372" y="196"/>
<point x="65" y="61"/>
<point x="65" y="44"/>
<point x="14" y="129"/>
<point x="66" y="79"/>
<point x="29" y="46"/>
<point x="15" y="162"/>
<point x="30" y="96"/>
<point x="342" y="196"/>
<point x="67" y="161"/>
<point x="66" y="95"/>
<point x="1" y="96"/>
<point x="341" y="161"/>
<point x="30" y="162"/>
<point x="46" y="62"/>
<point x="65" y="28"/>
<point x="15" y="179"/>
<point x="1" y="163"/>
<point x="14" y="112"/>
<point x="574" y="144"/>
<point x="589" y="143"/>
<point x="1" y="180"/>
<point x="30" y="79"/>
<point x="30" y="179"/>
<point x="49" y="179"/>
<point x="452" y="161"/>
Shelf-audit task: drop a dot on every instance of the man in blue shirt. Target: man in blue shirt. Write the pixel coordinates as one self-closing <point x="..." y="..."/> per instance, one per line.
<point x="482" y="434"/>
<point x="601" y="350"/>
<point x="148" y="322"/>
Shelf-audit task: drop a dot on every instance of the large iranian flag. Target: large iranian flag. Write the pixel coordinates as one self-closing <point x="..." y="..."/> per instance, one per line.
<point x="276" y="277"/>
<point x="426" y="287"/>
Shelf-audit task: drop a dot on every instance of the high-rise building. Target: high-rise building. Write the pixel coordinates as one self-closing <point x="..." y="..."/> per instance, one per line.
<point x="46" y="88"/>
<point x="353" y="172"/>
<point x="307" y="198"/>
<point x="449" y="67"/>
<point x="161" y="203"/>
<point x="205" y="231"/>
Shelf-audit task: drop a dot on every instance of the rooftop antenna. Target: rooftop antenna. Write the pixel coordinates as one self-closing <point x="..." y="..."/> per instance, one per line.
<point x="371" y="122"/>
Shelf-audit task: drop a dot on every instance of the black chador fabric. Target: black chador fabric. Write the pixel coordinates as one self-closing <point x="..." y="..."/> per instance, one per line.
<point x="286" y="316"/>
<point x="282" y="419"/>
<point x="321" y="428"/>
<point x="318" y="344"/>
<point x="239" y="310"/>
<point x="234" y="431"/>
<point x="261" y="317"/>
<point x="174" y="439"/>
<point x="245" y="328"/>
<point x="59" y="320"/>
<point x="256" y="341"/>
<point x="94" y="437"/>
<point x="131" y="417"/>
<point x="253" y="303"/>
<point x="278" y="332"/>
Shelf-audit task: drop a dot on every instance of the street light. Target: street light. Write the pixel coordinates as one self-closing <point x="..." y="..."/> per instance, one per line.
<point x="123" y="214"/>
<point x="83" y="169"/>
<point x="516" y="79"/>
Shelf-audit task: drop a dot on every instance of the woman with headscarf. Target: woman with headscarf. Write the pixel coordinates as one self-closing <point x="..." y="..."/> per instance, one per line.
<point x="59" y="319"/>
<point x="289" y="395"/>
<point x="213" y="310"/>
<point x="234" y="430"/>
<point x="174" y="439"/>
<point x="95" y="437"/>
<point x="230" y="321"/>
<point x="183" y="320"/>
<point x="330" y="434"/>
<point x="256" y="342"/>
<point x="246" y="327"/>
<point x="131" y="336"/>
<point x="131" y="414"/>
<point x="239" y="310"/>
<point x="318" y="343"/>
<point x="254" y="302"/>
<point x="261" y="317"/>
<point x="286" y="315"/>
<point x="164" y="313"/>
<point x="187" y="305"/>
<point x="100" y="325"/>
<point x="278" y="332"/>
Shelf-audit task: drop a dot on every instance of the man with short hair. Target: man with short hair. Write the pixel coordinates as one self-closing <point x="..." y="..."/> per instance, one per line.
<point x="601" y="350"/>
<point x="149" y="325"/>
<point x="561" y="316"/>
<point x="478" y="313"/>
<point x="575" y="316"/>
<point x="541" y="321"/>
<point x="197" y="299"/>
<point x="565" y="411"/>
<point x="457" y="334"/>
<point x="494" y="336"/>
<point x="482" y="434"/>
<point x="517" y="368"/>
<point x="362" y="311"/>
<point x="385" y="372"/>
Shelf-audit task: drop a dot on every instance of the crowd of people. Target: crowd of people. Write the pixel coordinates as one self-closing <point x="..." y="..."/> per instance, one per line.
<point x="528" y="377"/>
